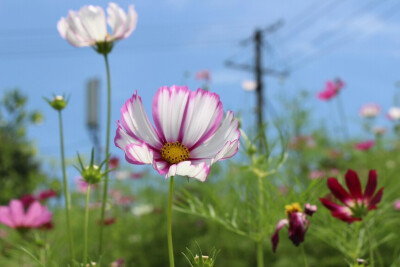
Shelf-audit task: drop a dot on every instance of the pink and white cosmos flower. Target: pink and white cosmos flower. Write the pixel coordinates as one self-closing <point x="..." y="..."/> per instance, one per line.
<point x="189" y="134"/>
<point x="88" y="26"/>
<point x="370" y="110"/>
<point x="15" y="217"/>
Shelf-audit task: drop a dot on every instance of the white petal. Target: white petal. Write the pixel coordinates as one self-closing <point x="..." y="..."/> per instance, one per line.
<point x="198" y="169"/>
<point x="122" y="24"/>
<point x="71" y="29"/>
<point x="139" y="154"/>
<point x="122" y="138"/>
<point x="202" y="117"/>
<point x="169" y="105"/>
<point x="137" y="124"/>
<point x="117" y="20"/>
<point x="130" y="24"/>
<point x="223" y="144"/>
<point x="94" y="21"/>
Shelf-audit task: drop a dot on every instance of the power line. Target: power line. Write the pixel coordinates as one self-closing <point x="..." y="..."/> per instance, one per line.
<point x="338" y="43"/>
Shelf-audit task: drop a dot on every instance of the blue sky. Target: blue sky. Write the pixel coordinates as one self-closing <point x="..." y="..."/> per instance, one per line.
<point x="358" y="41"/>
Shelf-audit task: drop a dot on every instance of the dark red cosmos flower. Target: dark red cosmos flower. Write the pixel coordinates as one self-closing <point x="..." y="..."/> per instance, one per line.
<point x="297" y="221"/>
<point x="46" y="194"/>
<point x="27" y="200"/>
<point x="114" y="162"/>
<point x="356" y="203"/>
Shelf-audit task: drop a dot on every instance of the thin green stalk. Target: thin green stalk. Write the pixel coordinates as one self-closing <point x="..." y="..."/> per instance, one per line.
<point x="371" y="252"/>
<point x="342" y="118"/>
<point x="105" y="188"/>
<point x="169" y="230"/>
<point x="86" y="225"/>
<point x="304" y="255"/>
<point x="260" y="254"/>
<point x="66" y="191"/>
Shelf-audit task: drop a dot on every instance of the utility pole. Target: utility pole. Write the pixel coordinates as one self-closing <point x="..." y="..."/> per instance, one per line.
<point x="257" y="68"/>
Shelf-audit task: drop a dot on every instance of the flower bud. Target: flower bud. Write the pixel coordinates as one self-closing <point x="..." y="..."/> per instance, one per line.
<point x="91" y="174"/>
<point x="58" y="102"/>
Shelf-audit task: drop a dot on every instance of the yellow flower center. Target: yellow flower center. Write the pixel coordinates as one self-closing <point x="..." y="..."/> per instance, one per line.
<point x="294" y="207"/>
<point x="174" y="152"/>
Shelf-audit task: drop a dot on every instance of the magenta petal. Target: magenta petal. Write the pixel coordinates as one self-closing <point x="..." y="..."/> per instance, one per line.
<point x="17" y="212"/>
<point x="5" y="217"/>
<point x="344" y="217"/>
<point x="375" y="200"/>
<point x="371" y="185"/>
<point x="297" y="227"/>
<point x="275" y="236"/>
<point x="339" y="192"/>
<point x="353" y="184"/>
<point x="310" y="209"/>
<point x="32" y="215"/>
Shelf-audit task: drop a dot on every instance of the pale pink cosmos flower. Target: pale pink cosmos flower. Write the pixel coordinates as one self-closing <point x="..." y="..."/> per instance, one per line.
<point x="364" y="145"/>
<point x="189" y="134"/>
<point x="316" y="174"/>
<point x="249" y="85"/>
<point x="394" y="113"/>
<point x="397" y="204"/>
<point x="15" y="216"/>
<point x="370" y="110"/>
<point x="88" y="26"/>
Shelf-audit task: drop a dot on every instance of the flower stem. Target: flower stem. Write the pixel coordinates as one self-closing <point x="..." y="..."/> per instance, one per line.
<point x="342" y="118"/>
<point x="85" y="248"/>
<point x="260" y="254"/>
<point x="105" y="188"/>
<point x="169" y="230"/>
<point x="371" y="252"/>
<point x="304" y="255"/>
<point x="66" y="191"/>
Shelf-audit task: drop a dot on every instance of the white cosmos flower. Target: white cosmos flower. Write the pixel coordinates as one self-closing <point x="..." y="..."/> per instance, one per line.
<point x="394" y="113"/>
<point x="88" y="26"/>
<point x="249" y="85"/>
<point x="189" y="134"/>
<point x="370" y="110"/>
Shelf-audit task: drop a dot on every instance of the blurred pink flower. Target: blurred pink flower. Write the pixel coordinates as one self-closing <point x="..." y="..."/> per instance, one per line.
<point x="118" y="263"/>
<point x="46" y="194"/>
<point x="81" y="185"/>
<point x="370" y="110"/>
<point x="397" y="204"/>
<point x="363" y="146"/>
<point x="120" y="199"/>
<point x="300" y="141"/>
<point x="331" y="89"/>
<point x="316" y="174"/>
<point x="15" y="217"/>
<point x="137" y="175"/>
<point x="334" y="172"/>
<point x="114" y="162"/>
<point x="203" y="75"/>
